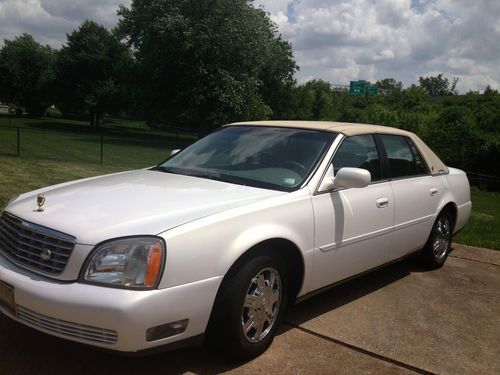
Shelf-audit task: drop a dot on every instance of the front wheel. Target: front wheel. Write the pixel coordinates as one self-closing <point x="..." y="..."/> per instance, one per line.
<point x="249" y="308"/>
<point x="438" y="245"/>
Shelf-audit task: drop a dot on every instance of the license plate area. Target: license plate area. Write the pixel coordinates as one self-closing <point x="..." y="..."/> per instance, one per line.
<point x="7" y="297"/>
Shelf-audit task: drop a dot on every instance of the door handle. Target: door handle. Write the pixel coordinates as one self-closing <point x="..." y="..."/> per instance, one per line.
<point x="382" y="202"/>
<point x="433" y="192"/>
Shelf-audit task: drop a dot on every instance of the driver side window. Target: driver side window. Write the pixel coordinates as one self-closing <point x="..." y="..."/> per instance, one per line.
<point x="358" y="151"/>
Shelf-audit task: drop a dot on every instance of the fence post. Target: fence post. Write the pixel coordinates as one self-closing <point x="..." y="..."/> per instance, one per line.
<point x="102" y="147"/>
<point x="18" y="141"/>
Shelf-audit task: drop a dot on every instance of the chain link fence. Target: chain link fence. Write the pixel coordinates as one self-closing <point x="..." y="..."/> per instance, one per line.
<point x="128" y="149"/>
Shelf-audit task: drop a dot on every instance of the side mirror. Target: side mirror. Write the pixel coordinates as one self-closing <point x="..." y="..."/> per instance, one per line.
<point x="173" y="152"/>
<point x="352" y="178"/>
<point x="345" y="178"/>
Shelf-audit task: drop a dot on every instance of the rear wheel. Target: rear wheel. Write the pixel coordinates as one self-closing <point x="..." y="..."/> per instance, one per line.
<point x="249" y="308"/>
<point x="438" y="245"/>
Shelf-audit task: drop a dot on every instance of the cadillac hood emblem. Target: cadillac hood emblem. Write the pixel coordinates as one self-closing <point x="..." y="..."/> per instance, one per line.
<point x="40" y="200"/>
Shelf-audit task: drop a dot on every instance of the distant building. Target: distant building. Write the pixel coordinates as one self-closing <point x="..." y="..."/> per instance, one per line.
<point x="4" y="109"/>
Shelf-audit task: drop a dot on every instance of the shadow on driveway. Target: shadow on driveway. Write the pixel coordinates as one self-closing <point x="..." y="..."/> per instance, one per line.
<point x="354" y="289"/>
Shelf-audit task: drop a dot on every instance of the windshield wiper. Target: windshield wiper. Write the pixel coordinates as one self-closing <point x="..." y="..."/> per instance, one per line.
<point x="207" y="175"/>
<point x="188" y="172"/>
<point x="164" y="169"/>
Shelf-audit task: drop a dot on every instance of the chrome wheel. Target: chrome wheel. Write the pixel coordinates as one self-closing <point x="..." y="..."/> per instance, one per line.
<point x="261" y="305"/>
<point x="442" y="238"/>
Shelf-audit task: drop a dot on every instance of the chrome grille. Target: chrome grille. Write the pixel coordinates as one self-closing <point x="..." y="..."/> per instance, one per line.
<point x="65" y="328"/>
<point x="34" y="246"/>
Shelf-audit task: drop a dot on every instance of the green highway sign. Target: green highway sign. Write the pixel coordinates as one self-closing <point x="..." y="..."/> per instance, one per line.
<point x="357" y="87"/>
<point x="362" y="87"/>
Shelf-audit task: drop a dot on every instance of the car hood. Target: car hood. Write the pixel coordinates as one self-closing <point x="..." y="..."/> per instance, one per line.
<point x="131" y="203"/>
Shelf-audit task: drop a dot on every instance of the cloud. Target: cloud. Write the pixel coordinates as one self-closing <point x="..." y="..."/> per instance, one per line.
<point x="103" y="12"/>
<point x="49" y="20"/>
<point x="372" y="39"/>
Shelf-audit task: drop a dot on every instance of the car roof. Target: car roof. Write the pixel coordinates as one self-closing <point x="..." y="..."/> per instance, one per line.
<point x="436" y="166"/>
<point x="346" y="128"/>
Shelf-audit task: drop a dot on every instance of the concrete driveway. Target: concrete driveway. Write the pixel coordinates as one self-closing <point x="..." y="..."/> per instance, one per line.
<point x="401" y="319"/>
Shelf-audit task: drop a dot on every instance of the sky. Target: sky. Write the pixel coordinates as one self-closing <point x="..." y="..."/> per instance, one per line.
<point x="337" y="41"/>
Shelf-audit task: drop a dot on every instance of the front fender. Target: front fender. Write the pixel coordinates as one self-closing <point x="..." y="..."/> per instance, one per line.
<point x="208" y="247"/>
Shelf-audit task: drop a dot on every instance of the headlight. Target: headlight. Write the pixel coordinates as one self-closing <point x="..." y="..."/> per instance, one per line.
<point x="134" y="263"/>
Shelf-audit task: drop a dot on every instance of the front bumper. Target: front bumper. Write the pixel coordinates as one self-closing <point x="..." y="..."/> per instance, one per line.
<point x="95" y="315"/>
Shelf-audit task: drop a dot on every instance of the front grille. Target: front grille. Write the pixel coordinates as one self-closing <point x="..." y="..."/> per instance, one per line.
<point x="65" y="328"/>
<point x="34" y="246"/>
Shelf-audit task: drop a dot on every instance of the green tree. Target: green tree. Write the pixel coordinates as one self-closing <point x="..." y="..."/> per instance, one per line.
<point x="322" y="108"/>
<point x="389" y="84"/>
<point x="91" y="72"/>
<point x="377" y="113"/>
<point x="26" y="74"/>
<point x="414" y="99"/>
<point x="301" y="107"/>
<point x="277" y="76"/>
<point x="207" y="62"/>
<point x="439" y="85"/>
<point x="454" y="137"/>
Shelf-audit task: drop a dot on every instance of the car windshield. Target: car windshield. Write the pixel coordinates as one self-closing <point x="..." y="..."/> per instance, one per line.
<point x="267" y="157"/>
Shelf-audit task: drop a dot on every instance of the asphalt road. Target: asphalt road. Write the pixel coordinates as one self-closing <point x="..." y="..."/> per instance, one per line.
<point x="401" y="319"/>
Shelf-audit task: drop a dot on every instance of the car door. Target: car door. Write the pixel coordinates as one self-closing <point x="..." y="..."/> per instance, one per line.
<point x="416" y="193"/>
<point x="353" y="227"/>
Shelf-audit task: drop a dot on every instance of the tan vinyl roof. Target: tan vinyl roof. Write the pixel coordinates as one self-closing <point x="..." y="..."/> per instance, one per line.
<point x="436" y="166"/>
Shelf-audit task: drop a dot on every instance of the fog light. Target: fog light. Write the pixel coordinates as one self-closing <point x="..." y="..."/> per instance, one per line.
<point x="166" y="330"/>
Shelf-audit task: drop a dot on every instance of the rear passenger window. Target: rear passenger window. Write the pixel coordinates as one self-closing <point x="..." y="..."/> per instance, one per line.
<point x="404" y="159"/>
<point x="359" y="151"/>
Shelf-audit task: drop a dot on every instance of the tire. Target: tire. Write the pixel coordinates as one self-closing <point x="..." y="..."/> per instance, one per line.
<point x="438" y="245"/>
<point x="249" y="308"/>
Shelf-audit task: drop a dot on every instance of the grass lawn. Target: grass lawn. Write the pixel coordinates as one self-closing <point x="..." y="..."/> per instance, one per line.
<point x="125" y="143"/>
<point x="483" y="229"/>
<point x="123" y="150"/>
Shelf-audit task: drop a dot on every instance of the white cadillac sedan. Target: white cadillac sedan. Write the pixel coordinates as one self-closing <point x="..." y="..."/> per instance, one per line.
<point x="216" y="241"/>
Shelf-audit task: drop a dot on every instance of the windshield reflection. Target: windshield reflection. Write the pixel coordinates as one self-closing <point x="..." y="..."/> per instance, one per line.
<point x="267" y="157"/>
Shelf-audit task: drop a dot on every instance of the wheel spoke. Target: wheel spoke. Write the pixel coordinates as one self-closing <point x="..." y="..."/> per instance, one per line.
<point x="274" y="297"/>
<point x="272" y="280"/>
<point x="268" y="320"/>
<point x="252" y="302"/>
<point x="261" y="282"/>
<point x="247" y="327"/>
<point x="258" y="330"/>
